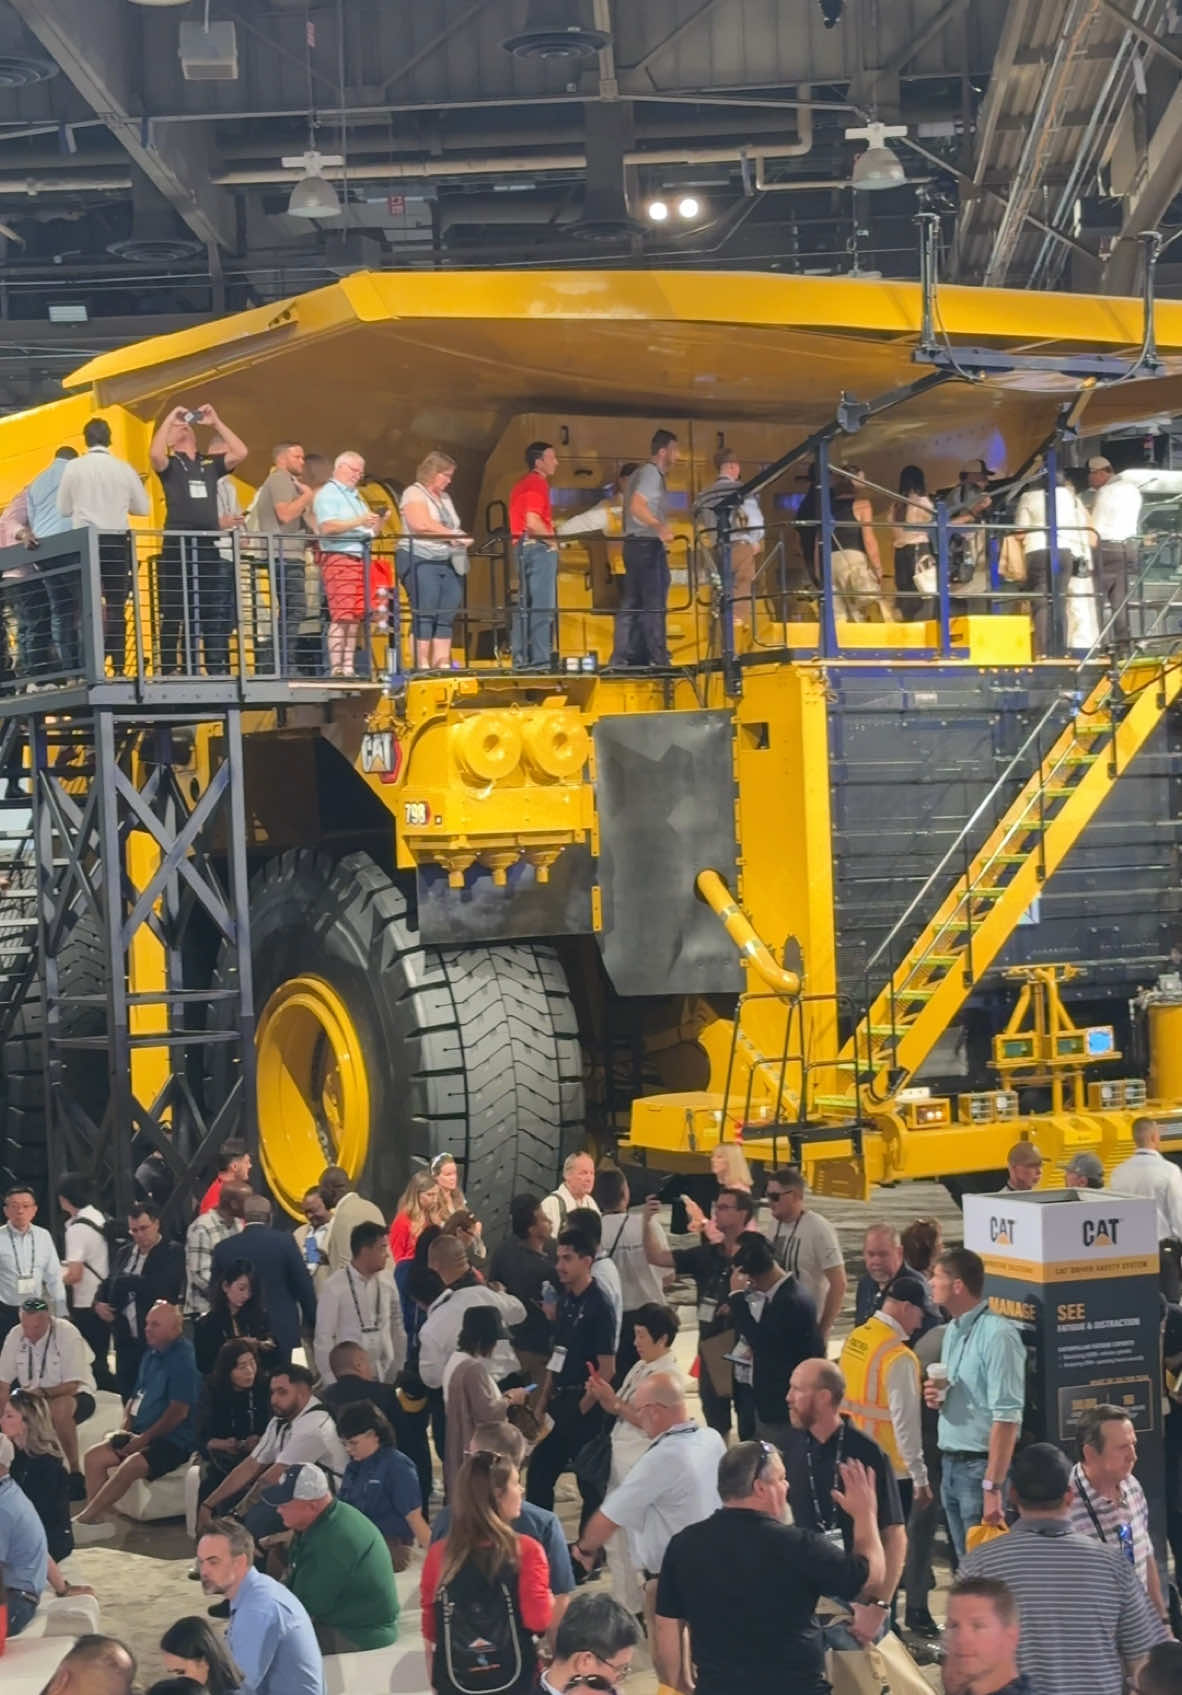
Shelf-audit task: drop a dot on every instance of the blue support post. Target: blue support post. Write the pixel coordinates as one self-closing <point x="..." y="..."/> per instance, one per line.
<point x="942" y="585"/>
<point x="828" y="616"/>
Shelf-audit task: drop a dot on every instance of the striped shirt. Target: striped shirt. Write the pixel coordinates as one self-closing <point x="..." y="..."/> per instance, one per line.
<point x="1130" y="1508"/>
<point x="1081" y="1605"/>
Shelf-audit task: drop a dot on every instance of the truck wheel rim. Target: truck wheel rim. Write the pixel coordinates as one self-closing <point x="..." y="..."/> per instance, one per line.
<point x="313" y="1091"/>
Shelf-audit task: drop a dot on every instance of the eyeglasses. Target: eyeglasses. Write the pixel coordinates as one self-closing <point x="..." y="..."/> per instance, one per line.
<point x="767" y="1453"/>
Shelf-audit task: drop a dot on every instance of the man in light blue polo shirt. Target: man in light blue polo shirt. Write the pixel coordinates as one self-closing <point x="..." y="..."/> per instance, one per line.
<point x="981" y="1399"/>
<point x="271" y="1637"/>
<point x="24" y="1555"/>
<point x="46" y="520"/>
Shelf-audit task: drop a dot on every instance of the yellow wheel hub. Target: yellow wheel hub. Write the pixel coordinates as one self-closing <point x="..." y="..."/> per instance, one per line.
<point x="313" y="1090"/>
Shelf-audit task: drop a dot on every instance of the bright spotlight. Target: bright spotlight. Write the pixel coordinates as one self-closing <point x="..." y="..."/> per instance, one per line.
<point x="658" y="211"/>
<point x="689" y="206"/>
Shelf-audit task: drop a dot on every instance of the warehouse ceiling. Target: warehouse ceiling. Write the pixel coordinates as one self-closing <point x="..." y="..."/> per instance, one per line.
<point x="148" y="152"/>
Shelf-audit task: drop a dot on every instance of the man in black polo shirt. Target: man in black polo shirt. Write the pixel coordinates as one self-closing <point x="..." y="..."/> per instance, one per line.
<point x="818" y="1443"/>
<point x="710" y="1267"/>
<point x="195" y="585"/>
<point x="584" y="1343"/>
<point x="747" y="1584"/>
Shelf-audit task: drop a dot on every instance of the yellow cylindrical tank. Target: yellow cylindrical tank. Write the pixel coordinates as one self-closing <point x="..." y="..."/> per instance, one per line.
<point x="1165" y="1050"/>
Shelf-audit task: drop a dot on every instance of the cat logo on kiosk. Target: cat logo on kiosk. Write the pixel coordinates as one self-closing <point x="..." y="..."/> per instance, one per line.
<point x="1100" y="1232"/>
<point x="1001" y="1232"/>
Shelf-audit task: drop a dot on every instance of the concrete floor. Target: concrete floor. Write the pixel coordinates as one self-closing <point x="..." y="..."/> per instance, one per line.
<point x="141" y="1581"/>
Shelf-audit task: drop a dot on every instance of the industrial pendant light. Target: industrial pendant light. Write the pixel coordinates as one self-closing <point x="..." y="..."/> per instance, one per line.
<point x="878" y="167"/>
<point x="313" y="196"/>
<point x="554" y="30"/>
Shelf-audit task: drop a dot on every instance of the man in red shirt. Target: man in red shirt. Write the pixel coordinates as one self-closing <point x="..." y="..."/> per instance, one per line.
<point x="233" y="1166"/>
<point x="532" y="527"/>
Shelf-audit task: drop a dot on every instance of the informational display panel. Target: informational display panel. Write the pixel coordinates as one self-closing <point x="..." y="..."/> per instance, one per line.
<point x="1077" y="1271"/>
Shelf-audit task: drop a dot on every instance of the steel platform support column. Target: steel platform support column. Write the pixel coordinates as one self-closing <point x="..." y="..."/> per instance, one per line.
<point x="135" y="860"/>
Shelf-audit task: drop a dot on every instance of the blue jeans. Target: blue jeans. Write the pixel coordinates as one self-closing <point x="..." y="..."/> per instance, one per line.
<point x="537" y="601"/>
<point x="961" y="1494"/>
<point x="21" y="1608"/>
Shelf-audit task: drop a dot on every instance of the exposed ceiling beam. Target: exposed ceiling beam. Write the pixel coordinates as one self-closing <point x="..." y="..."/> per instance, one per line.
<point x="1159" y="183"/>
<point x="1014" y="32"/>
<point x="91" y="41"/>
<point x="668" y="40"/>
<point x="915" y="44"/>
<point x="1137" y="28"/>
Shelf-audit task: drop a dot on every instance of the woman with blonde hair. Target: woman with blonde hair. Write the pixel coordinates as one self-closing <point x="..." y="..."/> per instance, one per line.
<point x="39" y="1469"/>
<point x="483" y="1557"/>
<point x="438" y="559"/>
<point x="421" y="1204"/>
<point x="446" y="1172"/>
<point x="729" y="1165"/>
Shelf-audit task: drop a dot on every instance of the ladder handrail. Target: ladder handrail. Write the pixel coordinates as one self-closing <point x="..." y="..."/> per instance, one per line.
<point x="1068" y="698"/>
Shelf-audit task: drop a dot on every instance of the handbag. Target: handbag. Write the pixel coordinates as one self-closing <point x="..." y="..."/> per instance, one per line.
<point x="592" y="1465"/>
<point x="459" y="561"/>
<point x="926" y="580"/>
<point x="884" y="1668"/>
<point x="1011" y="563"/>
<point x="1080" y="615"/>
<point x="982" y="1533"/>
<point x="526" y="1420"/>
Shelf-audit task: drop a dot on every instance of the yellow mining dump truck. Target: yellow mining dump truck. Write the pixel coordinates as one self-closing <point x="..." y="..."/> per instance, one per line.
<point x="873" y="894"/>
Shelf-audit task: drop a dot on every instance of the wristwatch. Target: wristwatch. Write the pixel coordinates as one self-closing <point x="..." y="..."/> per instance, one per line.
<point x="989" y="1487"/>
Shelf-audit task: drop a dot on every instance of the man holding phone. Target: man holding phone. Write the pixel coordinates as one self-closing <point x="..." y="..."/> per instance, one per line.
<point x="195" y="584"/>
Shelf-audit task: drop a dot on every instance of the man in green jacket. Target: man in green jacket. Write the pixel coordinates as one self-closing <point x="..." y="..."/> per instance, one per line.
<point x="340" y="1566"/>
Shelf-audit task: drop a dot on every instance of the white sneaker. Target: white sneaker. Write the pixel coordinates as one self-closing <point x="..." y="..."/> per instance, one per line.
<point x="84" y="1533"/>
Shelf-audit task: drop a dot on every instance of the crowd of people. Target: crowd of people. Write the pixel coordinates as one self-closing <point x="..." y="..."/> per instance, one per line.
<point x="447" y="1391"/>
<point x="332" y="564"/>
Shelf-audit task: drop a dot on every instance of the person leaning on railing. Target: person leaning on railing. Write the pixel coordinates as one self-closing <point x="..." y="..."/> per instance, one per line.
<point x="103" y="491"/>
<point x="438" y="559"/>
<point x="346" y="527"/>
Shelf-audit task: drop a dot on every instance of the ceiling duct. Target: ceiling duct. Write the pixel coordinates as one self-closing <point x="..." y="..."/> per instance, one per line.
<point x="165" y="250"/>
<point x="610" y="132"/>
<point x="554" y="29"/>
<point x="24" y="70"/>
<point x="208" y="52"/>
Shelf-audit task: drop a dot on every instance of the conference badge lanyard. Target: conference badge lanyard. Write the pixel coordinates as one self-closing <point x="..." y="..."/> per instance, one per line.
<point x="26" y="1281"/>
<point x="366" y="1329"/>
<point x="34" y="1379"/>
<point x="827" y="1521"/>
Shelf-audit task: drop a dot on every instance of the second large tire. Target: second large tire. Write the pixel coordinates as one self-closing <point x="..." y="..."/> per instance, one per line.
<point x="473" y="1051"/>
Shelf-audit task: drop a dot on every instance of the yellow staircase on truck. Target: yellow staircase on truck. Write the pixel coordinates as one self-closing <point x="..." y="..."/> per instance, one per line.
<point x="927" y="989"/>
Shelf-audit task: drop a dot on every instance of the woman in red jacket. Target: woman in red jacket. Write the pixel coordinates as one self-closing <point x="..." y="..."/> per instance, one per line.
<point x="485" y="1589"/>
<point x="421" y="1204"/>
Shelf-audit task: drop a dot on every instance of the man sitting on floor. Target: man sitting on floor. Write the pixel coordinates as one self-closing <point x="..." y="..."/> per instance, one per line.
<point x="158" y="1433"/>
<point x="51" y="1354"/>
<point x="339" y="1564"/>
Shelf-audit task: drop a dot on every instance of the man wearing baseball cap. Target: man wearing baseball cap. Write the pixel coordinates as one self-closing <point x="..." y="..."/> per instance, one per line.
<point x="1116" y="519"/>
<point x="340" y="1566"/>
<point x="1024" y="1169"/>
<point x="882" y="1383"/>
<point x="1083" y="1171"/>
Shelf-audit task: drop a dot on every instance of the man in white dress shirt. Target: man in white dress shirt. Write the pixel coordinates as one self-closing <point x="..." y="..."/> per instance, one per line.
<point x="1150" y="1174"/>
<point x="578" y="1180"/>
<point x="28" y="1260"/>
<point x="441" y="1328"/>
<point x="359" y="1303"/>
<point x="1116" y="519"/>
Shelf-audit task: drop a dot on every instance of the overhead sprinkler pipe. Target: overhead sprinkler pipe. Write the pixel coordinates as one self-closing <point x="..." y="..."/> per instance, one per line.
<point x="741" y="931"/>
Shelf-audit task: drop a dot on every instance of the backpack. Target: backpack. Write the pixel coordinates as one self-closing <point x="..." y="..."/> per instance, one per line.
<point x="481" y="1645"/>
<point x="109" y="1231"/>
<point x="960" y="558"/>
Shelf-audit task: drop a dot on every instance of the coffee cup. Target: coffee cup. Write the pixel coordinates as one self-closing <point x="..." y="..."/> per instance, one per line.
<point x="937" y="1374"/>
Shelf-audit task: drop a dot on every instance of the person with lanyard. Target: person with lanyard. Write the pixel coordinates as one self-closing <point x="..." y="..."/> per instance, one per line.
<point x="710" y="1267"/>
<point x="584" y="1344"/>
<point x="640" y="622"/>
<point x="149" y="1270"/>
<point x="50" y="1354"/>
<point x="195" y="584"/>
<point x="159" y="1430"/>
<point x="359" y="1303"/>
<point x="776" y="1319"/>
<point x="981" y="1398"/>
<point x="821" y="1440"/>
<point x="1108" y="1502"/>
<point x="29" y="1265"/>
<point x="87" y="1261"/>
<point x="806" y="1245"/>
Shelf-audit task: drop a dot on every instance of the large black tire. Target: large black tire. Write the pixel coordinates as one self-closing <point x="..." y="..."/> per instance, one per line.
<point x="473" y="1051"/>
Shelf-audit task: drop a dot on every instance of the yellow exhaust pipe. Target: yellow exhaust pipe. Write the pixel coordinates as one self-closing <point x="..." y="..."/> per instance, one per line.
<point x="738" y="927"/>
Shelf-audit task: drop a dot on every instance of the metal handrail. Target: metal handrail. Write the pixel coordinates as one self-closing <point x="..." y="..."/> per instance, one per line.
<point x="1010" y="773"/>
